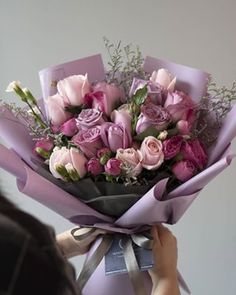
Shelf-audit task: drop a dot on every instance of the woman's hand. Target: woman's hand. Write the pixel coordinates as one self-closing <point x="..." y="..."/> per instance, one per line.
<point x="165" y="253"/>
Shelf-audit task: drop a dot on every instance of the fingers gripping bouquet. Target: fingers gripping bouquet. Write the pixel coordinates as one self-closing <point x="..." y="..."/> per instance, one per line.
<point x="118" y="151"/>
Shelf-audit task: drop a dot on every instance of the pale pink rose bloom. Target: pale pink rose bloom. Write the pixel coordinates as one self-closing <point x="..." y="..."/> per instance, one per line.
<point x="122" y="117"/>
<point x="132" y="159"/>
<point x="111" y="95"/>
<point x="56" y="109"/>
<point x="153" y="156"/>
<point x="65" y="156"/>
<point x="164" y="79"/>
<point x="74" y="88"/>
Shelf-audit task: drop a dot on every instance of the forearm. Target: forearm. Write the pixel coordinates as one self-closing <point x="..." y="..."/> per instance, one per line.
<point x="166" y="286"/>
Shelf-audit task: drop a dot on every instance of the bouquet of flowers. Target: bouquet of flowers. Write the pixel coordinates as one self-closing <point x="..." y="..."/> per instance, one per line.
<point x="118" y="150"/>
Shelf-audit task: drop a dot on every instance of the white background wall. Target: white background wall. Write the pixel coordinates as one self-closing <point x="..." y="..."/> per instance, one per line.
<point x="35" y="34"/>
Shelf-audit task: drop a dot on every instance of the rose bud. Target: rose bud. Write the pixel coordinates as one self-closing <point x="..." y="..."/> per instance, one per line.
<point x="164" y="79"/>
<point x="171" y="146"/>
<point x="44" y="147"/>
<point x="184" y="170"/>
<point x="184" y="127"/>
<point x="104" y="154"/>
<point x="73" y="89"/>
<point x="69" y="128"/>
<point x="94" y="166"/>
<point x="153" y="156"/>
<point x="113" y="167"/>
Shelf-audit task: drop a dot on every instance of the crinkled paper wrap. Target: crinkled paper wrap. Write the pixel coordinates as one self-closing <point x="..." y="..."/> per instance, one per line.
<point x="18" y="160"/>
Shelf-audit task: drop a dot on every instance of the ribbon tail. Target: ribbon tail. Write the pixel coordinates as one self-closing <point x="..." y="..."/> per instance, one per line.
<point x="182" y="283"/>
<point x="133" y="268"/>
<point x="92" y="263"/>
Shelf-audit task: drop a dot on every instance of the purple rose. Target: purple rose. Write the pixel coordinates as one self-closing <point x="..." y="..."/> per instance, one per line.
<point x="89" y="118"/>
<point x="113" y="167"/>
<point x="171" y="146"/>
<point x="194" y="151"/>
<point x="122" y="117"/>
<point x="69" y="128"/>
<point x="89" y="141"/>
<point x="94" y="166"/>
<point x="153" y="115"/>
<point x="184" y="170"/>
<point x="180" y="106"/>
<point x="115" y="136"/>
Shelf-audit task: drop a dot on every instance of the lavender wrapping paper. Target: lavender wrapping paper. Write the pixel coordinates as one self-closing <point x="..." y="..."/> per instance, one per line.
<point x="151" y="208"/>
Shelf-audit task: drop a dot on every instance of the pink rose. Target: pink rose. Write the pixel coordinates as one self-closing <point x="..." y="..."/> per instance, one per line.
<point x="89" y="141"/>
<point x="171" y="146"/>
<point x="115" y="136"/>
<point x="104" y="97"/>
<point x="69" y="128"/>
<point x="56" y="109"/>
<point x="184" y="170"/>
<point x="122" y="117"/>
<point x="67" y="163"/>
<point x="89" y="118"/>
<point x="113" y="167"/>
<point x="153" y="156"/>
<point x="180" y="106"/>
<point x="43" y="147"/>
<point x="131" y="160"/>
<point x="153" y="115"/>
<point x="73" y="89"/>
<point x="94" y="166"/>
<point x="194" y="151"/>
<point x="164" y="79"/>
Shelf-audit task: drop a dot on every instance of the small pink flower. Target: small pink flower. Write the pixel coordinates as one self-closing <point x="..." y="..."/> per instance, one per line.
<point x="94" y="166"/>
<point x="69" y="128"/>
<point x="43" y="147"/>
<point x="184" y="127"/>
<point x="73" y="89"/>
<point x="153" y="156"/>
<point x="184" y="170"/>
<point x="171" y="146"/>
<point x="113" y="167"/>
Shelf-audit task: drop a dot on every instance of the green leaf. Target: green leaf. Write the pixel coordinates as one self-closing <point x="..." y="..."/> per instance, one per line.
<point x="134" y="123"/>
<point x="150" y="131"/>
<point x="74" y="109"/>
<point x="140" y="96"/>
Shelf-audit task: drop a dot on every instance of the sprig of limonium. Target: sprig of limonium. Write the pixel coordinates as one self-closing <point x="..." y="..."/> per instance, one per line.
<point x="125" y="63"/>
<point x="213" y="108"/>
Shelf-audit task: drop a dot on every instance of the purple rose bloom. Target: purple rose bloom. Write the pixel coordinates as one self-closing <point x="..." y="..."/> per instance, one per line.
<point x="89" y="141"/>
<point x="171" y="146"/>
<point x="69" y="128"/>
<point x="115" y="136"/>
<point x="184" y="170"/>
<point x="94" y="166"/>
<point x="89" y="118"/>
<point x="113" y="167"/>
<point x="153" y="115"/>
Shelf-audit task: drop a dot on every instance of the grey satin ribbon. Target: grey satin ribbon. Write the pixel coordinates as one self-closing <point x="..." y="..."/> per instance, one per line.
<point x="143" y="240"/>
